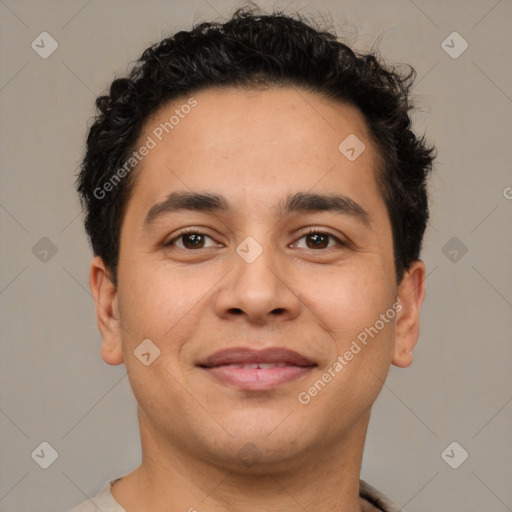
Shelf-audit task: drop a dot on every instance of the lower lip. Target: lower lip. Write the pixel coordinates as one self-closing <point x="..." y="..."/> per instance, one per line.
<point x="258" y="379"/>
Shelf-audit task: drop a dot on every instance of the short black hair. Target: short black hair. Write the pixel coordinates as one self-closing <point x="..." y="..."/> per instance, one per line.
<point x="254" y="50"/>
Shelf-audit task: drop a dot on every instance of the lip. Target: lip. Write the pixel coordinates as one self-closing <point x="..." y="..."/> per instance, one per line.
<point x="240" y="367"/>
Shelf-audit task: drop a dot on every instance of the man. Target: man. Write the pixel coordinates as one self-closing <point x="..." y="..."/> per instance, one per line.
<point x="256" y="203"/>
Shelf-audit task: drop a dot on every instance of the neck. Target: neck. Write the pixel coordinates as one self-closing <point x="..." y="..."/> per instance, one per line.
<point x="326" y="479"/>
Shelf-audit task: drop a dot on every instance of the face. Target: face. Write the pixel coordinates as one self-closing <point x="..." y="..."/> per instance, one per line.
<point x="257" y="258"/>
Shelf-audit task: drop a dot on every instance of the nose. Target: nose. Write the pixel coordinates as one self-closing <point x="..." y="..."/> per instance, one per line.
<point x="259" y="291"/>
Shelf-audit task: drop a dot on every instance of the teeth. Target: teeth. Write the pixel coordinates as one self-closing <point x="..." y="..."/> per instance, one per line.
<point x="260" y="366"/>
<point x="266" y="365"/>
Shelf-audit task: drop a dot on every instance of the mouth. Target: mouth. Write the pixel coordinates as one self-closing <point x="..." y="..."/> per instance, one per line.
<point x="256" y="370"/>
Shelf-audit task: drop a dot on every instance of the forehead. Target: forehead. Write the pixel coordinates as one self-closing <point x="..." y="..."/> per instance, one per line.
<point x="257" y="143"/>
<point x="245" y="117"/>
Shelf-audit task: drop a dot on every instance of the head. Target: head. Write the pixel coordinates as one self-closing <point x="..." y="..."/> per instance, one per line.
<point x="292" y="161"/>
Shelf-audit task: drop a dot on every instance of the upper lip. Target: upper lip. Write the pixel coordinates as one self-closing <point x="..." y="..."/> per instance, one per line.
<point x="248" y="356"/>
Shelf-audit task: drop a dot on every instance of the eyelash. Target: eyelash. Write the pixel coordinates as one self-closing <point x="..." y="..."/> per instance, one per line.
<point x="191" y="231"/>
<point x="315" y="231"/>
<point x="310" y="231"/>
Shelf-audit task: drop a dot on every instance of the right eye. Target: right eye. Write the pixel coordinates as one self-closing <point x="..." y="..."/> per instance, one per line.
<point x="192" y="240"/>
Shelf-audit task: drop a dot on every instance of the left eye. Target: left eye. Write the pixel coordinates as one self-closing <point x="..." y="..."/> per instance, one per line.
<point x="318" y="240"/>
<point x="313" y="240"/>
<point x="192" y="240"/>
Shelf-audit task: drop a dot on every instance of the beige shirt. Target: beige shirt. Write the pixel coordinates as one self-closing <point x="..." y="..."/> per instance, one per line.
<point x="105" y="502"/>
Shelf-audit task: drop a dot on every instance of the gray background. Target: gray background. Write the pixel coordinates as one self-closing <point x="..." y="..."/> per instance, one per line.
<point x="55" y="387"/>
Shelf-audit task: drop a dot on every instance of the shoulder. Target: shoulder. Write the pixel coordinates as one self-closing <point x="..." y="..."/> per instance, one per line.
<point x="376" y="498"/>
<point x="103" y="501"/>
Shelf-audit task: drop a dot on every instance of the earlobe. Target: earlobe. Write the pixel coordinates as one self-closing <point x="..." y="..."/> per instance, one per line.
<point x="411" y="293"/>
<point x="107" y="312"/>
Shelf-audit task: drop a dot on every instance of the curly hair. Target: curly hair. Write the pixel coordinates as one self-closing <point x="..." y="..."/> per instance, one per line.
<point x="252" y="50"/>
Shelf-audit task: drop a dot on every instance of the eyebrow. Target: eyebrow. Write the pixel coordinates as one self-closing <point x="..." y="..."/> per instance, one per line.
<point x="194" y="201"/>
<point x="307" y="202"/>
<point x="299" y="202"/>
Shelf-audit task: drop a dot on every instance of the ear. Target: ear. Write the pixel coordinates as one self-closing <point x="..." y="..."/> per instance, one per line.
<point x="107" y="311"/>
<point x="411" y="293"/>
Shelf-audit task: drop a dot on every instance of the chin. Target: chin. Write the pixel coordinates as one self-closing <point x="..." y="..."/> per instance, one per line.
<point x="256" y="457"/>
<point x="254" y="448"/>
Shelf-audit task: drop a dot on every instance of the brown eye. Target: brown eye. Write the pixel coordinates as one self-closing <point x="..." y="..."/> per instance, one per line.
<point x="317" y="240"/>
<point x="192" y="240"/>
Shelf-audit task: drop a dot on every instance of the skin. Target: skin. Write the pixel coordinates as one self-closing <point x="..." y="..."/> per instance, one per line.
<point x="254" y="148"/>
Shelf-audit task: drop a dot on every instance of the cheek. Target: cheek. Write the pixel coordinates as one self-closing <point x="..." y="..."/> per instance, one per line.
<point x="154" y="300"/>
<point x="349" y="299"/>
<point x="350" y="311"/>
<point x="349" y="308"/>
<point x="165" y="305"/>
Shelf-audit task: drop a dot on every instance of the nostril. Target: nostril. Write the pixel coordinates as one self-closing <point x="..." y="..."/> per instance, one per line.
<point x="278" y="311"/>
